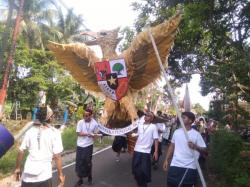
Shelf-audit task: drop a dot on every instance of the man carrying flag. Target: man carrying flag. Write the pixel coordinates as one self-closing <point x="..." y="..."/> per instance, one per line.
<point x="183" y="169"/>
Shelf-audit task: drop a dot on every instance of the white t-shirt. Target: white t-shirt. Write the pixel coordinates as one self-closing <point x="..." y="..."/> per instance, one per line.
<point x="161" y="127"/>
<point x="86" y="127"/>
<point x="183" y="156"/>
<point x="147" y="134"/>
<point x="38" y="165"/>
<point x="167" y="131"/>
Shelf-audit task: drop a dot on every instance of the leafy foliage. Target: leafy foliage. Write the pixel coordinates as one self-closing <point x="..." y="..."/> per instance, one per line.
<point x="213" y="41"/>
<point x="225" y="158"/>
<point x="69" y="138"/>
<point x="37" y="70"/>
<point x="199" y="109"/>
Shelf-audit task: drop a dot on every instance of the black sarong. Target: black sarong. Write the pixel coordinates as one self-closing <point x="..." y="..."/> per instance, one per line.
<point x="47" y="183"/>
<point x="119" y="143"/>
<point x="183" y="177"/>
<point x="159" y="151"/>
<point x="84" y="161"/>
<point x="141" y="168"/>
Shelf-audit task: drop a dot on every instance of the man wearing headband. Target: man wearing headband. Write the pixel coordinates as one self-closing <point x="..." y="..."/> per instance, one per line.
<point x="141" y="164"/>
<point x="43" y="143"/>
<point x="86" y="129"/>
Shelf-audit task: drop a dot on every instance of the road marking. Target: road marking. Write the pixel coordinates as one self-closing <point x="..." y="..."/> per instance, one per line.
<point x="97" y="152"/>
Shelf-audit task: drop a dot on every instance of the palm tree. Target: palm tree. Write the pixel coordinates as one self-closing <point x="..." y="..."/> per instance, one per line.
<point x="38" y="16"/>
<point x="69" y="25"/>
<point x="39" y="23"/>
<point x="6" y="34"/>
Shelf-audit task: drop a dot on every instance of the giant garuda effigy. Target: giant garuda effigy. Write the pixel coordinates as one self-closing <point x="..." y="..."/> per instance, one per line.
<point x="118" y="77"/>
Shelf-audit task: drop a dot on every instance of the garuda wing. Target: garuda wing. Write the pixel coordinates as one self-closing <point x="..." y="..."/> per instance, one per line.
<point x="140" y="57"/>
<point x="79" y="60"/>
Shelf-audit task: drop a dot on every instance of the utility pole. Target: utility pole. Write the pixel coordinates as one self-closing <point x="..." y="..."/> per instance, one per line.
<point x="3" y="90"/>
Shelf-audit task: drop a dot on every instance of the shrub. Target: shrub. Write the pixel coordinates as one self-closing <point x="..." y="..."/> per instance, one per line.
<point x="69" y="138"/>
<point x="8" y="161"/>
<point x="225" y="151"/>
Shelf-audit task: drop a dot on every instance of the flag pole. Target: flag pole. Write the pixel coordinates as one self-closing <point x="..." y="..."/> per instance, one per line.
<point x="175" y="104"/>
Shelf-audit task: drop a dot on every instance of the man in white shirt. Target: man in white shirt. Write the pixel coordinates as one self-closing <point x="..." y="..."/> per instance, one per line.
<point x="141" y="164"/>
<point x="43" y="143"/>
<point x="86" y="129"/>
<point x="183" y="170"/>
<point x="161" y="127"/>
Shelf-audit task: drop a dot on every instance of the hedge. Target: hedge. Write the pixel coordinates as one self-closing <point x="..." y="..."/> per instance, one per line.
<point x="225" y="158"/>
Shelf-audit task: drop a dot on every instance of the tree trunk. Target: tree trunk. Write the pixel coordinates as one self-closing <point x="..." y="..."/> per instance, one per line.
<point x="5" y="36"/>
<point x="3" y="91"/>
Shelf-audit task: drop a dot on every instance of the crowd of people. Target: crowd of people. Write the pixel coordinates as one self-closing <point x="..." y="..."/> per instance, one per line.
<point x="44" y="144"/>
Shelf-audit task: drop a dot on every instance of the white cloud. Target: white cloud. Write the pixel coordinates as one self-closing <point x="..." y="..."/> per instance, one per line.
<point x="108" y="14"/>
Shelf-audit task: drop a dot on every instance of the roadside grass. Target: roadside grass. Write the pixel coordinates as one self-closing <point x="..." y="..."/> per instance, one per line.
<point x="69" y="138"/>
<point x="103" y="142"/>
<point x="7" y="162"/>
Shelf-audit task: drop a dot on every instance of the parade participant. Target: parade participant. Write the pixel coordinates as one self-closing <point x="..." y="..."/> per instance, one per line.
<point x="141" y="164"/>
<point x="202" y="126"/>
<point x="161" y="129"/>
<point x="119" y="145"/>
<point x="183" y="170"/>
<point x="43" y="143"/>
<point x="86" y="129"/>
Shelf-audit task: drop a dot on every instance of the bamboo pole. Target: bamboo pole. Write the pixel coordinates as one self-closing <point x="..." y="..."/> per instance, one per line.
<point x="3" y="91"/>
<point x="175" y="104"/>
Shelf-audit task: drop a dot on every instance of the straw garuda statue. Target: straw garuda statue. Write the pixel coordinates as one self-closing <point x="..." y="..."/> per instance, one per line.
<point x="139" y="59"/>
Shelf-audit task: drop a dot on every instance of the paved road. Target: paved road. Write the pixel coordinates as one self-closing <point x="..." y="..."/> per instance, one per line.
<point x="108" y="173"/>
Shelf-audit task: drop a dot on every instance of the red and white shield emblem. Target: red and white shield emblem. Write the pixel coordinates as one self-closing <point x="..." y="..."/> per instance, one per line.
<point x="112" y="78"/>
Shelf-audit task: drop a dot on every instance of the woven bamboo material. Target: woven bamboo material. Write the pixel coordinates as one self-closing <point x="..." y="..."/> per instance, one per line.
<point x="79" y="60"/>
<point x="131" y="143"/>
<point x="140" y="59"/>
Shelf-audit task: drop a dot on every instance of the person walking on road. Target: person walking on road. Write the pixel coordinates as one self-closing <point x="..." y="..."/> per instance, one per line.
<point x="141" y="164"/>
<point x="43" y="143"/>
<point x="183" y="171"/>
<point x="161" y="127"/>
<point x="86" y="129"/>
<point x="119" y="145"/>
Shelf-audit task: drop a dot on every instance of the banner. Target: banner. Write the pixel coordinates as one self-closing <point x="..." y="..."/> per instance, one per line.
<point x="120" y="131"/>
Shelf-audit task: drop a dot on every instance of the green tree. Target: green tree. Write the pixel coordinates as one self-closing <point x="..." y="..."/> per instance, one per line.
<point x="36" y="70"/>
<point x="69" y="26"/>
<point x="37" y="18"/>
<point x="6" y="34"/>
<point x="213" y="42"/>
<point x="199" y="109"/>
<point x="128" y="35"/>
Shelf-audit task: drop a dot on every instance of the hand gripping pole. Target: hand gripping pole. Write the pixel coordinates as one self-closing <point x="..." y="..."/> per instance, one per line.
<point x="173" y="98"/>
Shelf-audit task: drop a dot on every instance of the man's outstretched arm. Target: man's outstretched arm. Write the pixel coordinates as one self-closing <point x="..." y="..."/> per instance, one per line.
<point x="18" y="164"/>
<point x="169" y="156"/>
<point x="58" y="160"/>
